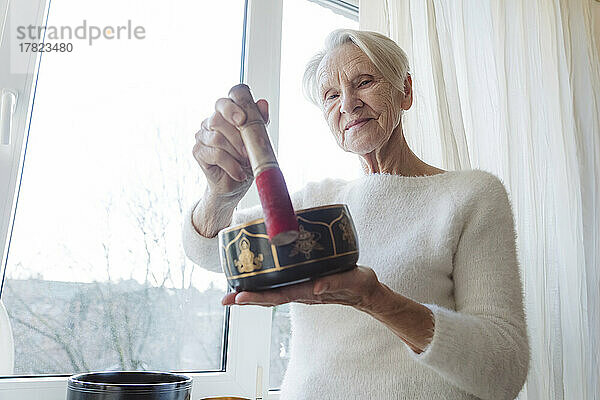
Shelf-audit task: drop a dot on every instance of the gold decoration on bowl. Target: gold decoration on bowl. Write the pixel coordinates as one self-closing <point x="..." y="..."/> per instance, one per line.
<point x="347" y="232"/>
<point x="252" y="262"/>
<point x="248" y="262"/>
<point x="306" y="242"/>
<point x="266" y="271"/>
<point x="277" y="266"/>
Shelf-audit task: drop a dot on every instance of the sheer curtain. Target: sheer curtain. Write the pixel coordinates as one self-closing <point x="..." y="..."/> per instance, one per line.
<point x="513" y="87"/>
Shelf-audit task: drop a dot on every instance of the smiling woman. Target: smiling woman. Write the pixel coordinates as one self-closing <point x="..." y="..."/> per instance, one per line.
<point x="369" y="74"/>
<point x="435" y="308"/>
<point x="355" y="83"/>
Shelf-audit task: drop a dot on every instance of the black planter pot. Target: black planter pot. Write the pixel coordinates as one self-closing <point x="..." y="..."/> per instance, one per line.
<point x="134" y="385"/>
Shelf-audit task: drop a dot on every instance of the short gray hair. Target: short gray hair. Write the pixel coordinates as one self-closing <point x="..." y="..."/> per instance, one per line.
<point x="383" y="52"/>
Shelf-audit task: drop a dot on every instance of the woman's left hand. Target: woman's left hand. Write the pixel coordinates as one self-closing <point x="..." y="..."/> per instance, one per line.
<point x="358" y="287"/>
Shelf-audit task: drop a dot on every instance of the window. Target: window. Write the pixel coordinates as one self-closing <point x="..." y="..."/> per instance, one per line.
<point x="297" y="140"/>
<point x="96" y="277"/>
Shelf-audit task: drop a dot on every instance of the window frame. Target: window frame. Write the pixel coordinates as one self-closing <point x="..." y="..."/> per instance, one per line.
<point x="247" y="370"/>
<point x="24" y="13"/>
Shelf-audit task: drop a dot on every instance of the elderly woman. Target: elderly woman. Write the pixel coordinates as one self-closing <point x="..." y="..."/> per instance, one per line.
<point x="434" y="310"/>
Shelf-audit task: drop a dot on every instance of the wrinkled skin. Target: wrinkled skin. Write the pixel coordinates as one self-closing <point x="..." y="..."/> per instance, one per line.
<point x="356" y="288"/>
<point x="352" y="88"/>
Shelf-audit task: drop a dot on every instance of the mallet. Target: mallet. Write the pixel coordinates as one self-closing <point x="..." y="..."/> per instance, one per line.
<point x="280" y="219"/>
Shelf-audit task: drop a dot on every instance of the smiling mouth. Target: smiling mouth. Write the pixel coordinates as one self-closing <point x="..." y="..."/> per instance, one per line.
<point x="357" y="124"/>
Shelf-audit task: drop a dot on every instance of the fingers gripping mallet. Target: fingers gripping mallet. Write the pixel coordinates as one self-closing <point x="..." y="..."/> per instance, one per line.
<point x="280" y="219"/>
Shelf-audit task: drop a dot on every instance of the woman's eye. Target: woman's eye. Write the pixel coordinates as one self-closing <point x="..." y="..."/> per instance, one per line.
<point x="331" y="96"/>
<point x="365" y="82"/>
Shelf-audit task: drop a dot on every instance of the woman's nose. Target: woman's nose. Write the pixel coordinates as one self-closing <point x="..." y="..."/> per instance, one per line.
<point x="349" y="102"/>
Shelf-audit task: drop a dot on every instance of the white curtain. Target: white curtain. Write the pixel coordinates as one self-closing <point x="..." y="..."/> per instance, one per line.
<point x="513" y="87"/>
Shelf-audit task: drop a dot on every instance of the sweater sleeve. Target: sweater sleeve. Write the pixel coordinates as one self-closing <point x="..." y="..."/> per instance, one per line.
<point x="200" y="250"/>
<point x="482" y="345"/>
<point x="204" y="251"/>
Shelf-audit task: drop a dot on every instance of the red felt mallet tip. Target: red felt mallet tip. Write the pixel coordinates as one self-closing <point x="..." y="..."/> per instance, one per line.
<point x="280" y="219"/>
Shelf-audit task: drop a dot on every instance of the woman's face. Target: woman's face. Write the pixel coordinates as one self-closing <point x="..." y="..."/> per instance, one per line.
<point x="362" y="109"/>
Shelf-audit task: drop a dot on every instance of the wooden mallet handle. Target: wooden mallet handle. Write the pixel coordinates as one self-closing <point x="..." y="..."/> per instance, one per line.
<point x="280" y="219"/>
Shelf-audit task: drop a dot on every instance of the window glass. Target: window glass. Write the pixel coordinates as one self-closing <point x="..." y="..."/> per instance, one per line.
<point x="96" y="276"/>
<point x="307" y="150"/>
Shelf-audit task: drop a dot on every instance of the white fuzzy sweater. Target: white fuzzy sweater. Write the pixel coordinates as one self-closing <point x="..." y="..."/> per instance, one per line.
<point x="447" y="241"/>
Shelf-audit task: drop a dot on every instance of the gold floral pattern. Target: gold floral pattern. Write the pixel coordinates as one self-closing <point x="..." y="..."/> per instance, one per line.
<point x="248" y="262"/>
<point x="347" y="235"/>
<point x="306" y="242"/>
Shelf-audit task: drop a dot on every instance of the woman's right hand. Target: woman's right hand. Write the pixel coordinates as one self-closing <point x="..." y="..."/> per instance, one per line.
<point x="220" y="152"/>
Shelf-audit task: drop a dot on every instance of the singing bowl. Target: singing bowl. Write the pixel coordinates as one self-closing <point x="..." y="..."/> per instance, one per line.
<point x="130" y="385"/>
<point x="327" y="244"/>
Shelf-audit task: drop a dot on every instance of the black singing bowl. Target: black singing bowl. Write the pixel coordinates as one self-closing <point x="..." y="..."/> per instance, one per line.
<point x="134" y="385"/>
<point x="327" y="244"/>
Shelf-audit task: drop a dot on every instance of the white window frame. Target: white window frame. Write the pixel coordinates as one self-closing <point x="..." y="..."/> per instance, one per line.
<point x="19" y="13"/>
<point x="247" y="369"/>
